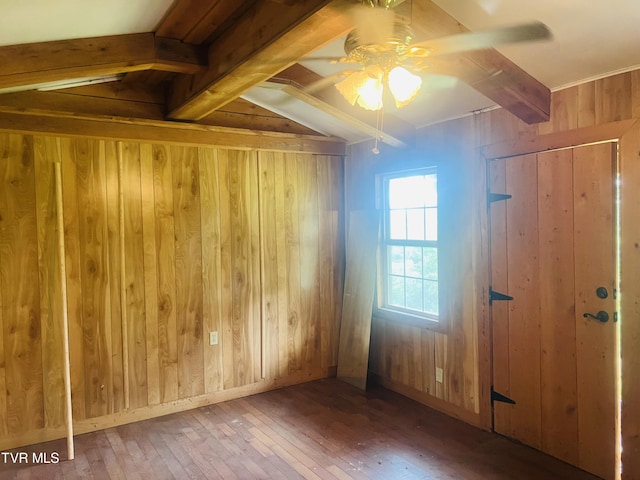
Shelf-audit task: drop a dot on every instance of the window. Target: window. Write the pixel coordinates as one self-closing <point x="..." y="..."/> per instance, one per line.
<point x="409" y="283"/>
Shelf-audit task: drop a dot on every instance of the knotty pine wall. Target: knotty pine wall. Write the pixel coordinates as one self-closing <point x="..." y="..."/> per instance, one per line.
<point x="163" y="245"/>
<point x="405" y="357"/>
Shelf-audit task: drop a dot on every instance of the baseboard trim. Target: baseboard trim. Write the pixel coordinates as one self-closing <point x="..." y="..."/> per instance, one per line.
<point x="430" y="401"/>
<point x="153" y="411"/>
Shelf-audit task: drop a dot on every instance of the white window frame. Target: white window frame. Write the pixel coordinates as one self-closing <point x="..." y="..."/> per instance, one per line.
<point x="384" y="307"/>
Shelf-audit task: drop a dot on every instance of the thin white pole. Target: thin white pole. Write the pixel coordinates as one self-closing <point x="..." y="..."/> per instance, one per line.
<point x="65" y="319"/>
<point x="123" y="279"/>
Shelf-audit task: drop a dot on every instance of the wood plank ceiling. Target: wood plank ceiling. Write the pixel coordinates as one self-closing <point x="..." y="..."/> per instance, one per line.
<point x="206" y="53"/>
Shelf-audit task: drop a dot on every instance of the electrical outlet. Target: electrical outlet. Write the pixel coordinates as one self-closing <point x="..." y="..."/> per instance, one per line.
<point x="439" y="375"/>
<point x="213" y="338"/>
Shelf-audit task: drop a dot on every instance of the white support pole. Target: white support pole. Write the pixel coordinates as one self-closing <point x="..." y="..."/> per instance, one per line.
<point x="65" y="319"/>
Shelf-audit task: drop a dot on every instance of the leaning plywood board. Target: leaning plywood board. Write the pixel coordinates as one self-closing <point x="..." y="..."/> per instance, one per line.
<point x="355" y="331"/>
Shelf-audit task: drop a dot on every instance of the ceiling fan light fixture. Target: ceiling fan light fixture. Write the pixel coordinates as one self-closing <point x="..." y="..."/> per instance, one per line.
<point x="363" y="87"/>
<point x="404" y="85"/>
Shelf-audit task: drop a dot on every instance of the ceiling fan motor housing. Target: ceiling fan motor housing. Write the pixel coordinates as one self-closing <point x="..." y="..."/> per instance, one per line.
<point x="382" y="3"/>
<point x="390" y="50"/>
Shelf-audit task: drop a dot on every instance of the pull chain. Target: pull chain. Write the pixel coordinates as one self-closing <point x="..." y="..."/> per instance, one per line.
<point x="379" y="127"/>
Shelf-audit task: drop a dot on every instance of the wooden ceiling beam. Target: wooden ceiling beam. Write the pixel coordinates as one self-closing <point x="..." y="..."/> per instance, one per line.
<point x="195" y="21"/>
<point x="487" y="71"/>
<point x="184" y="16"/>
<point x="263" y="41"/>
<point x="297" y="78"/>
<point x="37" y="63"/>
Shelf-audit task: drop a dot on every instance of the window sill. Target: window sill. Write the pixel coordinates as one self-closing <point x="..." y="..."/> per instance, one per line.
<point x="426" y="323"/>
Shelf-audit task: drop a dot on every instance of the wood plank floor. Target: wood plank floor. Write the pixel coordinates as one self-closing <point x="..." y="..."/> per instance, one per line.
<point x="320" y="430"/>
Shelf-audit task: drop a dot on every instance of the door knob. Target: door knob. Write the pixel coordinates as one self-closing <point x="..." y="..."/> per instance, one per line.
<point x="601" y="316"/>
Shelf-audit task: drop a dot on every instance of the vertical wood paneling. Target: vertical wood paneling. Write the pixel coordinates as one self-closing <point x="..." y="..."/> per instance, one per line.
<point x="456" y="238"/>
<point x="502" y="126"/>
<point x="292" y="262"/>
<point x="96" y="314"/>
<point x="45" y="154"/>
<point x="301" y="287"/>
<point x="271" y="309"/>
<point x="564" y="112"/>
<point x="190" y="261"/>
<point x="166" y="273"/>
<point x="116" y="399"/>
<point x="19" y="282"/>
<point x="440" y="354"/>
<point x="134" y="275"/>
<point x="282" y="292"/>
<point x="586" y="104"/>
<point x="240" y="266"/>
<point x="253" y="202"/>
<point x="308" y="219"/>
<point x="211" y="265"/>
<point x="326" y="224"/>
<point x="242" y="183"/>
<point x="558" y="391"/>
<point x="150" y="273"/>
<point x="188" y="271"/>
<point x="612" y="95"/>
<point x="428" y="360"/>
<point x="522" y="239"/>
<point x="333" y="187"/>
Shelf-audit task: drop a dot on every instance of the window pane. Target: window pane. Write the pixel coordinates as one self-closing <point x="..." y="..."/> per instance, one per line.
<point x="431" y="221"/>
<point x="413" y="262"/>
<point x="410" y="250"/>
<point x="430" y="190"/>
<point x="398" y="224"/>
<point x="396" y="260"/>
<point x="396" y="291"/>
<point x="414" y="293"/>
<point x="430" y="263"/>
<point x="431" y="297"/>
<point x="407" y="192"/>
<point x="415" y="224"/>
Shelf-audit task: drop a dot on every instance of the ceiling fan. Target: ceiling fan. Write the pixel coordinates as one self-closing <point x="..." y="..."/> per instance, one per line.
<point x="386" y="54"/>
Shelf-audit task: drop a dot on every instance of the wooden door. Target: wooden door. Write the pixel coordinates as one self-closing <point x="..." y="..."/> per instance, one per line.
<point x="553" y="249"/>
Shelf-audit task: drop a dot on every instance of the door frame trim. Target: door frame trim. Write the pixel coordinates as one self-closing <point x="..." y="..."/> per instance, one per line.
<point x="529" y="144"/>
<point x="627" y="134"/>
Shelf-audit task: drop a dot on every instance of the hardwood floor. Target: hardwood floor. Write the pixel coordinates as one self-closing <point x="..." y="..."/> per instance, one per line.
<point x="320" y="430"/>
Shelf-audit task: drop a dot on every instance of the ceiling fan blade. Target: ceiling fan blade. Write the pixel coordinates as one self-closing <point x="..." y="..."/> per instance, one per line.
<point x="316" y="86"/>
<point x="326" y="81"/>
<point x="481" y="39"/>
<point x="332" y="59"/>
